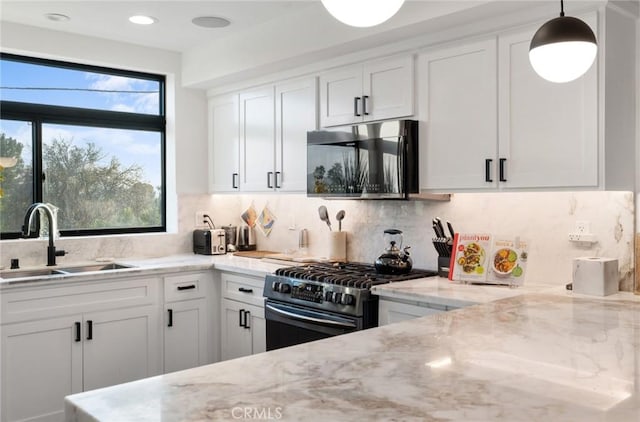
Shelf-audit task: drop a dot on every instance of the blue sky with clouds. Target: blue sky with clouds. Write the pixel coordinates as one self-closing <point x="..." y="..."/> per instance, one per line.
<point x="79" y="90"/>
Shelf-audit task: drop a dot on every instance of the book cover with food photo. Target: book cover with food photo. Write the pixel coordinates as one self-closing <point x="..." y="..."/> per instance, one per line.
<point x="469" y="258"/>
<point x="508" y="261"/>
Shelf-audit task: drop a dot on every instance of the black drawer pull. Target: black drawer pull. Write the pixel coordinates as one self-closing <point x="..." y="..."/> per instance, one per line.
<point x="356" y="100"/>
<point x="502" y="178"/>
<point x="240" y="313"/>
<point x="78" y="338"/>
<point x="244" y="290"/>
<point x="278" y="183"/>
<point x="487" y="170"/>
<point x="247" y="315"/>
<point x="189" y="287"/>
<point x="364" y="105"/>
<point x="269" y="174"/>
<point x="89" y="330"/>
<point x="234" y="180"/>
<point x="170" y="311"/>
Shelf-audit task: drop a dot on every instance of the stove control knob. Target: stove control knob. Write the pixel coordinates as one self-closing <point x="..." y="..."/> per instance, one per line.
<point x="275" y="286"/>
<point x="328" y="296"/>
<point x="336" y="297"/>
<point x="285" y="288"/>
<point x="347" y="299"/>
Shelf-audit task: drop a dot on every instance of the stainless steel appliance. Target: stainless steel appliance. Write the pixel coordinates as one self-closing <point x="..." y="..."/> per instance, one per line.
<point x="368" y="161"/>
<point x="246" y="239"/>
<point x="316" y="301"/>
<point x="209" y="242"/>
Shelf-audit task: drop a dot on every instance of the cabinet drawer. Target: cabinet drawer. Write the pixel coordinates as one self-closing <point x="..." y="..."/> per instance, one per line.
<point x="243" y="288"/>
<point x="184" y="286"/>
<point x="45" y="302"/>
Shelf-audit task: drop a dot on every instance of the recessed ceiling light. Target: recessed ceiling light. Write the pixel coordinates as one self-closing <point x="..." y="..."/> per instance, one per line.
<point x="142" y="20"/>
<point x="210" y="21"/>
<point x="57" y="17"/>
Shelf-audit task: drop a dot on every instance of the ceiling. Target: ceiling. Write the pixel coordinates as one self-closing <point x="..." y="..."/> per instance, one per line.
<point x="173" y="31"/>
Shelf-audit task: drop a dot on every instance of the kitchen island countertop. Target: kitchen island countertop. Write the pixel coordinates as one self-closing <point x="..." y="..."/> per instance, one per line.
<point x="530" y="357"/>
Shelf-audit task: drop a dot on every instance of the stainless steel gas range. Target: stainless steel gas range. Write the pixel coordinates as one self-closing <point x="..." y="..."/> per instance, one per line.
<point x="311" y="302"/>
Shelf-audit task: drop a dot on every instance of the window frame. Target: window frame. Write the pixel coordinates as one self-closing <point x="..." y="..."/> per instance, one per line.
<point x="39" y="114"/>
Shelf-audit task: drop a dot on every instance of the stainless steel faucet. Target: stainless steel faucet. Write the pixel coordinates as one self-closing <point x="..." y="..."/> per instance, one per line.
<point x="53" y="228"/>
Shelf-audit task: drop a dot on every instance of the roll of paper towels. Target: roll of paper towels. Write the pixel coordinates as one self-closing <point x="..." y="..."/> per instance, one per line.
<point x="595" y="276"/>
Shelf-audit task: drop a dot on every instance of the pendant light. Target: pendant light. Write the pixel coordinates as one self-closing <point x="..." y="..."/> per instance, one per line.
<point x="563" y="49"/>
<point x="362" y="13"/>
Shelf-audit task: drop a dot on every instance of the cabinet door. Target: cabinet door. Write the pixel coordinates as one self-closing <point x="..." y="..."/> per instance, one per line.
<point x="236" y="339"/>
<point x="224" y="143"/>
<point x="41" y="364"/>
<point x="391" y="312"/>
<point x="548" y="131"/>
<point x="388" y="89"/>
<point x="296" y="113"/>
<point x="257" y="140"/>
<point x="339" y="90"/>
<point x="458" y="109"/>
<point x="243" y="329"/>
<point x="185" y="335"/>
<point x="121" y="345"/>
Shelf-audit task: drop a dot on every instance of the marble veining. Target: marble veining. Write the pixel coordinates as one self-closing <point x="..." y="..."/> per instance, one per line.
<point x="531" y="357"/>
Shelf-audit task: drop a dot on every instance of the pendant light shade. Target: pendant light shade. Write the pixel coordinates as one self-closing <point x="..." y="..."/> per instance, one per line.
<point x="362" y="13"/>
<point x="563" y="49"/>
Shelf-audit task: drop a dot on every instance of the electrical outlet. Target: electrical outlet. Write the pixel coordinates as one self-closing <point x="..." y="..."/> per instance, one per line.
<point x="199" y="219"/>
<point x="582" y="227"/>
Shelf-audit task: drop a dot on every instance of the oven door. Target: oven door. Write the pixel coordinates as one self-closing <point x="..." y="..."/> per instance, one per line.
<point x="288" y="325"/>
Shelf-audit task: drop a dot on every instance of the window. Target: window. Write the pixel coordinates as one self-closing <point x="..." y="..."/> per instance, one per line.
<point x="86" y="139"/>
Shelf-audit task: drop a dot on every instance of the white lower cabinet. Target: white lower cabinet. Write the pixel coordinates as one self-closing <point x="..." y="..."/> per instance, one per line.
<point x="62" y="340"/>
<point x="391" y="311"/>
<point x="243" y="327"/>
<point x="186" y="321"/>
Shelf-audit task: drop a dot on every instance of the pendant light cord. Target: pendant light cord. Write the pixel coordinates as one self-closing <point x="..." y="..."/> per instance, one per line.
<point x="561" y="8"/>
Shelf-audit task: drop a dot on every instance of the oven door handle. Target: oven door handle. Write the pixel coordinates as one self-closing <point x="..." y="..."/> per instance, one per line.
<point x="310" y="319"/>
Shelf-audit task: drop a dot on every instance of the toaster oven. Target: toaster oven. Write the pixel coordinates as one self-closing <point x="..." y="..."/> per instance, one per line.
<point x="209" y="242"/>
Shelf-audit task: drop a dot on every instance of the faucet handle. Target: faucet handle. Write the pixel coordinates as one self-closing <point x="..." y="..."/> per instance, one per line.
<point x="61" y="252"/>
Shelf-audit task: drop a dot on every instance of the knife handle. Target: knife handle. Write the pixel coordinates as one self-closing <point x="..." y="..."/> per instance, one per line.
<point x="487" y="170"/>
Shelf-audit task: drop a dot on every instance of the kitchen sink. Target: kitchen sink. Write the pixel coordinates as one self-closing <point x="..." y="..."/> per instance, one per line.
<point x="29" y="273"/>
<point x="95" y="267"/>
<point x="44" y="272"/>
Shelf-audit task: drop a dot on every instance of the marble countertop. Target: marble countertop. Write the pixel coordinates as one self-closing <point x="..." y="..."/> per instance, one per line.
<point x="149" y="266"/>
<point x="531" y="357"/>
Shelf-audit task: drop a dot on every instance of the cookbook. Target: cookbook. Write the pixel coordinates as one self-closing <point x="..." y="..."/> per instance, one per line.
<point x="485" y="258"/>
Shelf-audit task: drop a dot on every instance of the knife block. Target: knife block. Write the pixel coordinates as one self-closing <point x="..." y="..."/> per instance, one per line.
<point x="443" y="246"/>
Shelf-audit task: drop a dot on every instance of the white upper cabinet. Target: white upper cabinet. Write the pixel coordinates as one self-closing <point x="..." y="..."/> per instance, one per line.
<point x="548" y="132"/>
<point x="376" y="90"/>
<point x="259" y="137"/>
<point x="489" y="122"/>
<point x="224" y="143"/>
<point x="257" y="140"/>
<point x="296" y="113"/>
<point x="458" y="115"/>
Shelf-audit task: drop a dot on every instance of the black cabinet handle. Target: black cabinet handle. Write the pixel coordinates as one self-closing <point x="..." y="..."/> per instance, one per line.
<point x="364" y="105"/>
<point x="170" y="311"/>
<point x="502" y="178"/>
<point x="278" y="183"/>
<point x="240" y="314"/>
<point x="487" y="170"/>
<point x="244" y="290"/>
<point x="234" y="180"/>
<point x="355" y="106"/>
<point x="269" y="174"/>
<point x="78" y="338"/>
<point x="188" y="287"/>
<point x="247" y="316"/>
<point x="89" y="329"/>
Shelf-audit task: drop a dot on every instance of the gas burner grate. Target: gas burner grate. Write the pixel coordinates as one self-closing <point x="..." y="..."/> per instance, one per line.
<point x="357" y="275"/>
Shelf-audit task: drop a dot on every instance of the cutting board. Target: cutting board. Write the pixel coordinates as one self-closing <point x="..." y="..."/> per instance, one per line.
<point x="254" y="254"/>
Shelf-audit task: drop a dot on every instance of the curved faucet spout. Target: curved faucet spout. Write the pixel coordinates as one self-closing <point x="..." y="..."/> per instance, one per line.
<point x="53" y="227"/>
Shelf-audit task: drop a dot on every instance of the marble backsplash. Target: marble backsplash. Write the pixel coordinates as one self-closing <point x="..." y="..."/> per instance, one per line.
<point x="544" y="218"/>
